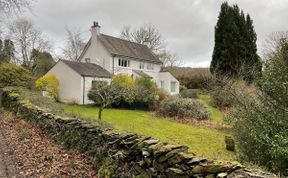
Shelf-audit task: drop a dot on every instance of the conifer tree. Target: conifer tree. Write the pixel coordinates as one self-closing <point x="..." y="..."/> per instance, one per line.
<point x="235" y="47"/>
<point x="6" y="51"/>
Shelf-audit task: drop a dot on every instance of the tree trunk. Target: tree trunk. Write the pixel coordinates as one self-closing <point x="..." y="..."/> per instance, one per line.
<point x="100" y="113"/>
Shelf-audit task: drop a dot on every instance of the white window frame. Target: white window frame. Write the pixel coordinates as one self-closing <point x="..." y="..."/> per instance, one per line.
<point x="123" y="62"/>
<point x="142" y="65"/>
<point x="162" y="84"/>
<point x="173" y="86"/>
<point x="150" y="66"/>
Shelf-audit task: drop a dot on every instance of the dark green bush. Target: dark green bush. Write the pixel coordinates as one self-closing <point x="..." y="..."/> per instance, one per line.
<point x="200" y="81"/>
<point x="13" y="75"/>
<point x="184" y="108"/>
<point x="146" y="95"/>
<point x="222" y="98"/>
<point x="189" y="93"/>
<point x="260" y="123"/>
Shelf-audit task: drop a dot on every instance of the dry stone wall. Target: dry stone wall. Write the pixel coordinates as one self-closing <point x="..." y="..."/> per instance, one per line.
<point x="118" y="154"/>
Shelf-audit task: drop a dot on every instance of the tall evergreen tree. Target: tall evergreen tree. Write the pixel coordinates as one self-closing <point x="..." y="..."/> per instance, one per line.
<point x="235" y="44"/>
<point x="7" y="51"/>
<point x="43" y="62"/>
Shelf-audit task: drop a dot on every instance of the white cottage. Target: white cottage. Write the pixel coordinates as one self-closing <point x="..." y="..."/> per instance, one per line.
<point x="103" y="57"/>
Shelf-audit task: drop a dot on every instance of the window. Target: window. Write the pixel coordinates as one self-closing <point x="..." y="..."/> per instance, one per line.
<point x="141" y="65"/>
<point x="162" y="83"/>
<point x="173" y="87"/>
<point x="88" y="60"/>
<point x="123" y="63"/>
<point x="150" y="66"/>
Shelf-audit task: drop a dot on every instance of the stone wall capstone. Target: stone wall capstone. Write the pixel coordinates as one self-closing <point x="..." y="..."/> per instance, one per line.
<point x="118" y="154"/>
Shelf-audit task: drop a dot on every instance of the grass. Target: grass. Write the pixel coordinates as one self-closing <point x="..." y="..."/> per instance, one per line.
<point x="202" y="141"/>
<point x="217" y="115"/>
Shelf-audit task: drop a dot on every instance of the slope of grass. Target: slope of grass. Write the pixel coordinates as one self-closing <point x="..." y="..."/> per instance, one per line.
<point x="202" y="141"/>
<point x="216" y="116"/>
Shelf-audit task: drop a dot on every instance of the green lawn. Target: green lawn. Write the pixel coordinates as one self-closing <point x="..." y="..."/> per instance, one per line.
<point x="216" y="113"/>
<point x="200" y="140"/>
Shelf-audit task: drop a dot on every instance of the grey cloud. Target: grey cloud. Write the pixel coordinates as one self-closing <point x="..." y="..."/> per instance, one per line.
<point x="187" y="25"/>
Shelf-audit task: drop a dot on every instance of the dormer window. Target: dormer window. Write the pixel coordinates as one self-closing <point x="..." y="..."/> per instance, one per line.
<point x="141" y="65"/>
<point x="123" y="63"/>
<point x="150" y="66"/>
<point x="88" y="60"/>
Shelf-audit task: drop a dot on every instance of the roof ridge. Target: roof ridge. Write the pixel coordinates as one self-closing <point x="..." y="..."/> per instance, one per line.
<point x="87" y="69"/>
<point x="125" y="40"/>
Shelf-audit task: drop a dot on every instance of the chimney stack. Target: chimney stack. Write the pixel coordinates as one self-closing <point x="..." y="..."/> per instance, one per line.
<point x="95" y="29"/>
<point x="146" y="42"/>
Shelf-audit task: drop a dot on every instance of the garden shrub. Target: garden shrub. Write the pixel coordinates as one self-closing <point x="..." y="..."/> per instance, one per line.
<point x="126" y="84"/>
<point x="50" y="84"/>
<point x="192" y="78"/>
<point x="162" y="95"/>
<point x="13" y="75"/>
<point x="190" y="93"/>
<point x="221" y="98"/>
<point x="146" y="90"/>
<point x="142" y="92"/>
<point x="184" y="108"/>
<point x="123" y="80"/>
<point x="260" y="123"/>
<point x="199" y="81"/>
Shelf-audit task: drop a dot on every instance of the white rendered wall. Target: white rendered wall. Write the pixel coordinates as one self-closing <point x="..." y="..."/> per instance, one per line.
<point x="167" y="77"/>
<point x="69" y="82"/>
<point x="134" y="65"/>
<point x="88" y="86"/>
<point x="98" y="53"/>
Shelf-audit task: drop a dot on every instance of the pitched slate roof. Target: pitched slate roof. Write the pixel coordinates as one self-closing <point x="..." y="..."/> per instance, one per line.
<point x="141" y="73"/>
<point x="120" y="47"/>
<point x="88" y="69"/>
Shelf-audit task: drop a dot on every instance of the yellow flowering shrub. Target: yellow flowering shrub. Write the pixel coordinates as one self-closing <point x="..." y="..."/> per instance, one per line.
<point x="50" y="84"/>
<point x="123" y="80"/>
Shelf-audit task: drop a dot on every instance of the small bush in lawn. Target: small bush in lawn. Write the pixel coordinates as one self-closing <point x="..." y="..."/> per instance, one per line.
<point x="184" y="108"/>
<point x="189" y="93"/>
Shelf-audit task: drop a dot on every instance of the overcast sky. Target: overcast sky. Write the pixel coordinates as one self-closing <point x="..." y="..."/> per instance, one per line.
<point x="186" y="25"/>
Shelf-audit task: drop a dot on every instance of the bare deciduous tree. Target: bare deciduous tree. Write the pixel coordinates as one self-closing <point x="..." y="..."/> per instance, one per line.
<point x="169" y="59"/>
<point x="146" y="34"/>
<point x="271" y="43"/>
<point x="26" y="38"/>
<point x="74" y="45"/>
<point x="150" y="36"/>
<point x="13" y="6"/>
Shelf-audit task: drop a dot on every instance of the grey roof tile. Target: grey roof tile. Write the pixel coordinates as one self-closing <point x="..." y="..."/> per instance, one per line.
<point x="88" y="69"/>
<point x="126" y="48"/>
